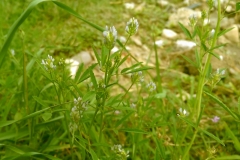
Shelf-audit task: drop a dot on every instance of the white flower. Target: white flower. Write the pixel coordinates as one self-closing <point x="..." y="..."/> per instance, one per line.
<point x="132" y="26"/>
<point x="117" y="149"/>
<point x="110" y="37"/>
<point x="77" y="101"/>
<point x="220" y="73"/>
<point x="48" y="63"/>
<point x="73" y="127"/>
<point x="133" y="105"/>
<point x="151" y="86"/>
<point x="183" y="112"/>
<point x="12" y="52"/>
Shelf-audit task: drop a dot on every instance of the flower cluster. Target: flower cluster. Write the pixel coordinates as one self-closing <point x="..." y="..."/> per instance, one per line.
<point x="216" y="77"/>
<point x="215" y="119"/>
<point x="49" y="63"/>
<point x="183" y="112"/>
<point x="133" y="105"/>
<point x="137" y="77"/>
<point x="110" y="37"/>
<point x="193" y="20"/>
<point x="151" y="86"/>
<point x="211" y="34"/>
<point x="77" y="113"/>
<point x="120" y="153"/>
<point x="132" y="26"/>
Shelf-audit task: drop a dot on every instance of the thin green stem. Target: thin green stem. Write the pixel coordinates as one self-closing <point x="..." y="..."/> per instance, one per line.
<point x="206" y="66"/>
<point x="25" y="89"/>
<point x="58" y="92"/>
<point x="202" y="81"/>
<point x="190" y="145"/>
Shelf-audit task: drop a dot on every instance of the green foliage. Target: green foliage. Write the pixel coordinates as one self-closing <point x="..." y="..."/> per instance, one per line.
<point x="115" y="108"/>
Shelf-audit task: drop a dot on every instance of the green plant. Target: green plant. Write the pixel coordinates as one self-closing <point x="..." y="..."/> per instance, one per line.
<point x="125" y="113"/>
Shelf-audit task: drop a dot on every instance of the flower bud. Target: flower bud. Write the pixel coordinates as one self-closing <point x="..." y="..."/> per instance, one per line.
<point x="132" y="26"/>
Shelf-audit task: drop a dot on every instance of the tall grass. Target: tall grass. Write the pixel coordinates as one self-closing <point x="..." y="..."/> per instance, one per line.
<point x="123" y="114"/>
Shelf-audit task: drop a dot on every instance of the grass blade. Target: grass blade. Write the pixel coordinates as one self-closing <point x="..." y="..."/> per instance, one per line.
<point x="14" y="28"/>
<point x="222" y="105"/>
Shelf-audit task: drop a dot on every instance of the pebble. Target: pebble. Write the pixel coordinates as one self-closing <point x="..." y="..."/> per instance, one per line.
<point x="73" y="66"/>
<point x="184" y="44"/>
<point x="168" y="33"/>
<point x="163" y="3"/>
<point x="233" y="35"/>
<point x="129" y="5"/>
<point x="159" y="43"/>
<point x="83" y="57"/>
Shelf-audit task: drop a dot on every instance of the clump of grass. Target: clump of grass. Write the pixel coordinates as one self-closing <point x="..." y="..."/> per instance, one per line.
<point x="47" y="113"/>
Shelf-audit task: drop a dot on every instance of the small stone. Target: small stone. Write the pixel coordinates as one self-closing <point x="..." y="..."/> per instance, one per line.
<point x="233" y="35"/>
<point x="115" y="49"/>
<point x="229" y="8"/>
<point x="162" y="3"/>
<point x="129" y="5"/>
<point x="168" y="33"/>
<point x="184" y="44"/>
<point x="159" y="43"/>
<point x="122" y="39"/>
<point x="73" y="66"/>
<point x="83" y="57"/>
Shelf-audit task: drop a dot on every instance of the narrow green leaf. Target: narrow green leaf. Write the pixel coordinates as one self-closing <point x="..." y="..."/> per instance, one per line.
<point x="233" y="157"/>
<point x="72" y="12"/>
<point x="224" y="31"/>
<point x="202" y="130"/>
<point x="124" y="119"/>
<point x="46" y="116"/>
<point x="233" y="137"/>
<point x="198" y="62"/>
<point x="237" y="6"/>
<point x="33" y="60"/>
<point x="86" y="74"/>
<point x="213" y="136"/>
<point x="185" y="30"/>
<point x="122" y="61"/>
<point x="93" y="154"/>
<point x="218" y="46"/>
<point x="96" y="55"/>
<point x="133" y="130"/>
<point x="93" y="78"/>
<point x="139" y="69"/>
<point x="189" y="61"/>
<point x="215" y="55"/>
<point x="204" y="46"/>
<point x="78" y="73"/>
<point x="6" y="123"/>
<point x="161" y="95"/>
<point x="40" y="101"/>
<point x="89" y="96"/>
<point x="222" y="105"/>
<point x="26" y="13"/>
<point x="14" y="28"/>
<point x="239" y="105"/>
<point x="104" y="55"/>
<point x="131" y="68"/>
